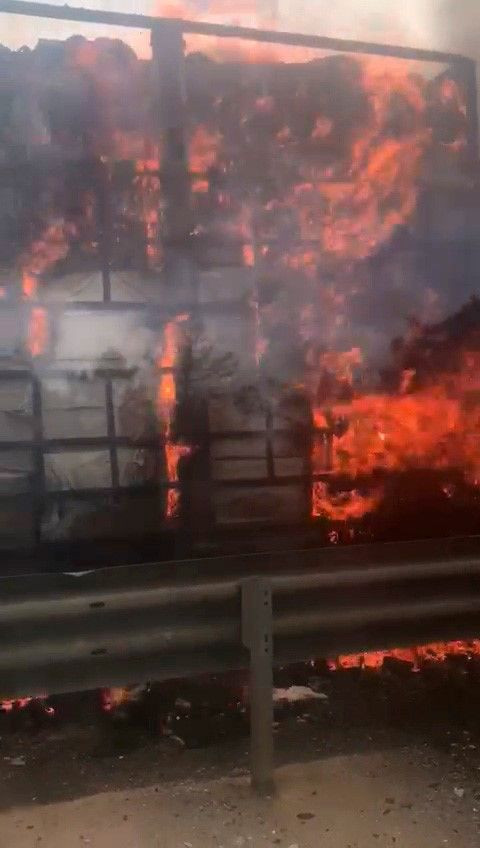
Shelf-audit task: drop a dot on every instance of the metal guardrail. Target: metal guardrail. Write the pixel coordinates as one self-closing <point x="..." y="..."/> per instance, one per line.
<point x="115" y="626"/>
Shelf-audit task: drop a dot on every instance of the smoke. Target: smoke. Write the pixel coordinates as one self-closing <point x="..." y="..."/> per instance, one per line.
<point x="418" y="23"/>
<point x="442" y="24"/>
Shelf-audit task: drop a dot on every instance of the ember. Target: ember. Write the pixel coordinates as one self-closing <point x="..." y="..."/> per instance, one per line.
<point x="417" y="657"/>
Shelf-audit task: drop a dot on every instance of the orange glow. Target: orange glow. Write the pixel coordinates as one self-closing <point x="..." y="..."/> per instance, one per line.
<point x="203" y="150"/>
<point x="200" y="186"/>
<point x="347" y="210"/>
<point x="42" y="255"/>
<point x="356" y="215"/>
<point x="341" y="506"/>
<point x="423" y="429"/>
<point x="323" y="127"/>
<point x="342" y="363"/>
<point x="166" y="401"/>
<point x="436" y="426"/>
<point x="8" y="705"/>
<point x="451" y="94"/>
<point x="248" y="255"/>
<point x="113" y="697"/>
<point x="29" y="286"/>
<point x="38" y="331"/>
<point x="416" y="656"/>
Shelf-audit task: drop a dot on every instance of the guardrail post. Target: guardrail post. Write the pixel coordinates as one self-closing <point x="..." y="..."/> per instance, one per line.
<point x="257" y="637"/>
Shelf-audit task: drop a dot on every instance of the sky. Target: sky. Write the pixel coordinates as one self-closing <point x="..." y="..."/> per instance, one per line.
<point x="443" y="24"/>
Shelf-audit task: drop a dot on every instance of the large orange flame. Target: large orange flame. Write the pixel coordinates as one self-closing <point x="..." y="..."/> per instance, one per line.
<point x="436" y="427"/>
<point x="353" y="216"/>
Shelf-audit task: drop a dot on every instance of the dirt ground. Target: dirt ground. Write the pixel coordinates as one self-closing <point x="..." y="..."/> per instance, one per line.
<point x="380" y="799"/>
<point x="383" y="760"/>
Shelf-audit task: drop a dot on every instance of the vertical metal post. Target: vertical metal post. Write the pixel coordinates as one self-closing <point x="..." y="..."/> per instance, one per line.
<point x="469" y="74"/>
<point x="104" y="223"/>
<point x="257" y="637"/>
<point x="468" y="249"/>
<point x="176" y="236"/>
<point x="170" y="100"/>
<point x="39" y="485"/>
<point x="112" y="435"/>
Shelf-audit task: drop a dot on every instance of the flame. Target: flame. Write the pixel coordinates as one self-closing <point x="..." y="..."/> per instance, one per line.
<point x="113" y="697"/>
<point x="166" y="401"/>
<point x="10" y="705"/>
<point x="417" y="656"/>
<point x="38" y="331"/>
<point x="356" y="215"/>
<point x="451" y="95"/>
<point x="342" y="506"/>
<point x="346" y="210"/>
<point x="204" y="148"/>
<point x="248" y="255"/>
<point x="42" y="255"/>
<point x="436" y="426"/>
<point x="423" y="429"/>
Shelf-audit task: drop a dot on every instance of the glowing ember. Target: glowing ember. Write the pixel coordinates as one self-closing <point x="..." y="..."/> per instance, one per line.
<point x="17" y="704"/>
<point x="112" y="698"/>
<point x="417" y="657"/>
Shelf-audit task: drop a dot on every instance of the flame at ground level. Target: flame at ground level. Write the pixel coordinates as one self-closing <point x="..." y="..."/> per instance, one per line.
<point x="416" y="657"/>
<point x="434" y="652"/>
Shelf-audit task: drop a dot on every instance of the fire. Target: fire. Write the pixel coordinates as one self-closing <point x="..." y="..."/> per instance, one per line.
<point x="378" y="193"/>
<point x="345" y="206"/>
<point x="38" y="331"/>
<point x="436" y="426"/>
<point x="166" y="401"/>
<point x="204" y="147"/>
<point x="42" y="255"/>
<point x="417" y="656"/>
<point x="431" y="428"/>
<point x="11" y="705"/>
<point x="342" y="506"/>
<point x="248" y="255"/>
<point x="248" y="13"/>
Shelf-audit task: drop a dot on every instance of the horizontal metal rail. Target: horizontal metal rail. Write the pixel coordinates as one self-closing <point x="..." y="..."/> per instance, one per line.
<point x="137" y="21"/>
<point x="115" y="626"/>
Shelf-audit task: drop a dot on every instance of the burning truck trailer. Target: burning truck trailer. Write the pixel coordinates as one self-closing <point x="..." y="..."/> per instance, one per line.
<point x="239" y="315"/>
<point x="256" y="325"/>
